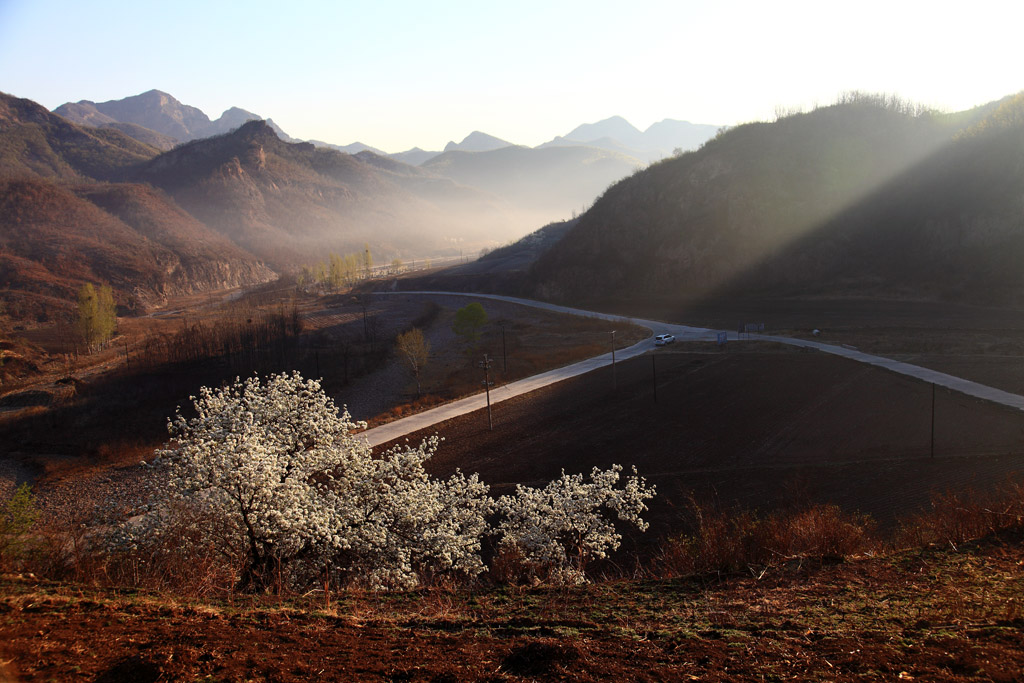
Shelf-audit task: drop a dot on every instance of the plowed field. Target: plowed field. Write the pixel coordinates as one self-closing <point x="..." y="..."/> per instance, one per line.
<point x="759" y="428"/>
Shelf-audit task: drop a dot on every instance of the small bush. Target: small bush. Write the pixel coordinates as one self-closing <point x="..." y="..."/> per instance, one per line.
<point x="954" y="518"/>
<point x="17" y="519"/>
<point x="727" y="542"/>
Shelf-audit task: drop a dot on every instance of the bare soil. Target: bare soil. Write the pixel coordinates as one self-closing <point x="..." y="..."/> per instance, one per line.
<point x="926" y="616"/>
<point x="756" y="429"/>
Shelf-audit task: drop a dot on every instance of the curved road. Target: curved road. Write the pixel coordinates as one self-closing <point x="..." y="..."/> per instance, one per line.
<point x="413" y="423"/>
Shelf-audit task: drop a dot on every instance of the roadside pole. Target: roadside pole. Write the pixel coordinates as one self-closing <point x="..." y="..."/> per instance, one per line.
<point x="615" y="384"/>
<point x="486" y="365"/>
<point x="933" y="421"/>
<point x="654" y="376"/>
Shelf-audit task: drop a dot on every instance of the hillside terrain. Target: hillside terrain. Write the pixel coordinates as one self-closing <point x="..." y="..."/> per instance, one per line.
<point x="288" y="203"/>
<point x="932" y="615"/>
<point x="866" y="197"/>
<point x="219" y="211"/>
<point x="60" y="228"/>
<point x="35" y="143"/>
<point x="55" y="238"/>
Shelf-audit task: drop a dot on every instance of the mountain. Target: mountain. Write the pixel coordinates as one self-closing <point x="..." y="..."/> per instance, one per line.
<point x="212" y="212"/>
<point x="143" y="135"/>
<point x="660" y="140"/>
<point x="161" y="113"/>
<point x="59" y="228"/>
<point x="36" y="143"/>
<point x="56" y="237"/>
<point x="354" y="148"/>
<point x="669" y="135"/>
<point x="867" y="197"/>
<point x="477" y="142"/>
<point x="616" y="128"/>
<point x="414" y="156"/>
<point x="290" y="203"/>
<point x="555" y="180"/>
<point x="607" y="144"/>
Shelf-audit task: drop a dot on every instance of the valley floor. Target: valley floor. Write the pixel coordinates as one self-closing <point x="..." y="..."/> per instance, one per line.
<point x="934" y="615"/>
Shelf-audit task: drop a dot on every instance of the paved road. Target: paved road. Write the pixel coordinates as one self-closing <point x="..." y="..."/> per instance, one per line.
<point x="407" y="425"/>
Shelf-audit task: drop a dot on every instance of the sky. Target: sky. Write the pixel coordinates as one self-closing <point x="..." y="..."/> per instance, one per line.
<point x="398" y="74"/>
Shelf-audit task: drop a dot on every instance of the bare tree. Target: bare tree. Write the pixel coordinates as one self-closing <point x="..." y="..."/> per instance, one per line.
<point x="414" y="349"/>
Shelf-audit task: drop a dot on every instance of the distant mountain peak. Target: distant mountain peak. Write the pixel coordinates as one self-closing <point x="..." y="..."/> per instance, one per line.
<point x="614" y="127"/>
<point x="477" y="142"/>
<point x="161" y="112"/>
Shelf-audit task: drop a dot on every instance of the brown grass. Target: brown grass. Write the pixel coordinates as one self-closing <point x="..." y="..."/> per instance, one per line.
<point x="724" y="542"/>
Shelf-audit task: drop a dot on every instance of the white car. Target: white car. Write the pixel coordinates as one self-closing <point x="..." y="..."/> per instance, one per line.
<point x="663" y="339"/>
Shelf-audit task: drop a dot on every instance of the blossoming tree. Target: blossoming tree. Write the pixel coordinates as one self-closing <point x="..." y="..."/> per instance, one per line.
<point x="279" y="465"/>
<point x="270" y="476"/>
<point x="555" y="531"/>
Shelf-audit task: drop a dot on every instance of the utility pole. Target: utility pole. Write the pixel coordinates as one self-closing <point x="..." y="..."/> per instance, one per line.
<point x="654" y="376"/>
<point x="486" y="365"/>
<point x="504" y="354"/>
<point x="615" y="384"/>
<point x="933" y="421"/>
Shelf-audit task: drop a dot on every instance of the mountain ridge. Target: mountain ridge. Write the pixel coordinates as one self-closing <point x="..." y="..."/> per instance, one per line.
<point x="160" y="112"/>
<point x="865" y="197"/>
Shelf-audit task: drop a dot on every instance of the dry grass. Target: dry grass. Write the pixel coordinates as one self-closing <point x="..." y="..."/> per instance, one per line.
<point x="725" y="542"/>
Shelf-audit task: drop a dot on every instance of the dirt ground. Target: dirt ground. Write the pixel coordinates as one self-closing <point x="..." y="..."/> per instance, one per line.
<point x="925" y="616"/>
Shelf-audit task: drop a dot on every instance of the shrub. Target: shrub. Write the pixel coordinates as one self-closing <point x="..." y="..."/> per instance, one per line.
<point x="954" y="518"/>
<point x="725" y="542"/>
<point x="17" y="518"/>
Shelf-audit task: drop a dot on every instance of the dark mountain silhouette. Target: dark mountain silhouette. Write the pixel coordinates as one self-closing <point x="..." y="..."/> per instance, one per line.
<point x="477" y="142"/>
<point x="159" y="112"/>
<point x="869" y="196"/>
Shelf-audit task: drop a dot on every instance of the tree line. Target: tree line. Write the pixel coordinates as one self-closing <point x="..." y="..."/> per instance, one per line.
<point x="337" y="271"/>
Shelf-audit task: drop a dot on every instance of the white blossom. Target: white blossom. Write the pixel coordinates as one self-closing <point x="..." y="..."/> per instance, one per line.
<point x="276" y="466"/>
<point x="556" y="530"/>
<point x="274" y="480"/>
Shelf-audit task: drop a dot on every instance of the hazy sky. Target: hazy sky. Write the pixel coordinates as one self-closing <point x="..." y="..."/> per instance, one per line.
<point x="400" y="74"/>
